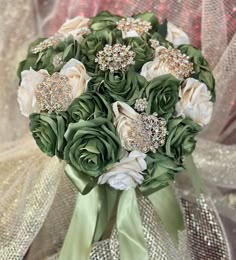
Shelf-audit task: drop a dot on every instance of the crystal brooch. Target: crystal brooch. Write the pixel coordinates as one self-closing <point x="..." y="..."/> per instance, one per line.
<point x="178" y="63"/>
<point x="148" y="133"/>
<point x="115" y="58"/>
<point x="130" y="24"/>
<point x="54" y="93"/>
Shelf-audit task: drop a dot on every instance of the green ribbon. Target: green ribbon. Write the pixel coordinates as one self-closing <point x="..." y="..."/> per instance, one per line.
<point x="82" y="182"/>
<point x="79" y="238"/>
<point x="192" y="172"/>
<point x="108" y="198"/>
<point x="130" y="233"/>
<point x="91" y="216"/>
<point x="167" y="206"/>
<point x="93" y="212"/>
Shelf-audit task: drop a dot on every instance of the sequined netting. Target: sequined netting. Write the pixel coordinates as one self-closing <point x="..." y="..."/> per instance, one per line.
<point x="37" y="200"/>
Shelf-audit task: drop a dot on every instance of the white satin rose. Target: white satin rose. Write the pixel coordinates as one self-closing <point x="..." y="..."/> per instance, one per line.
<point x="77" y="27"/>
<point x="126" y="174"/>
<point x="176" y="36"/>
<point x="155" y="68"/>
<point x="124" y="115"/>
<point x="195" y="102"/>
<point x="26" y="92"/>
<point x="75" y="72"/>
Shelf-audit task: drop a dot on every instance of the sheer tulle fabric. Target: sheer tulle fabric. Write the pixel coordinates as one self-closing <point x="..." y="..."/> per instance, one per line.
<point x="36" y="200"/>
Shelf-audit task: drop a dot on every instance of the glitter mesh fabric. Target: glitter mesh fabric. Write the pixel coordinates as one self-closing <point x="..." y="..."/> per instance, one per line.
<point x="29" y="181"/>
<point x="202" y="239"/>
<point x="205" y="237"/>
<point x="37" y="200"/>
<point x="157" y="240"/>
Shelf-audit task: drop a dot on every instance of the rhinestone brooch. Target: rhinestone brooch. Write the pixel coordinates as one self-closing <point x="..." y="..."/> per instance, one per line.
<point x="130" y="24"/>
<point x="115" y="58"/>
<point x="50" y="42"/>
<point x="54" y="93"/>
<point x="148" y="133"/>
<point x="57" y="60"/>
<point x="154" y="43"/>
<point x="141" y="104"/>
<point x="178" y="63"/>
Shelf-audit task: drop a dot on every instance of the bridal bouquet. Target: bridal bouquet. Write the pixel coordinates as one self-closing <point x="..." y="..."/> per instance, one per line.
<point x="120" y="100"/>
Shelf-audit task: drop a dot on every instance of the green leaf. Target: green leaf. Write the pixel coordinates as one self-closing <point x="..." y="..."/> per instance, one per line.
<point x="68" y="52"/>
<point x="20" y="68"/>
<point x="163" y="29"/>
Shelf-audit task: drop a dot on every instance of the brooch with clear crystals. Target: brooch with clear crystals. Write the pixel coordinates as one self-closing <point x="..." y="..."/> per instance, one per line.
<point x="50" y="42"/>
<point x="115" y="58"/>
<point x="154" y="43"/>
<point x="148" y="133"/>
<point x="130" y="24"/>
<point x="54" y="93"/>
<point x="140" y="104"/>
<point x="178" y="63"/>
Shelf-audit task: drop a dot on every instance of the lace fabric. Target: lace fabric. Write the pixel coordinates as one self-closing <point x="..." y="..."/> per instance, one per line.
<point x="36" y="198"/>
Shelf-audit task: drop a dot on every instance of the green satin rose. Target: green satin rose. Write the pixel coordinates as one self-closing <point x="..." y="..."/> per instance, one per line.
<point x="161" y="170"/>
<point x="88" y="106"/>
<point x="119" y="86"/>
<point x="94" y="43"/>
<point x="181" y="141"/>
<point x="201" y="67"/>
<point x="64" y="51"/>
<point x="92" y="146"/>
<point x="143" y="52"/>
<point x="104" y="20"/>
<point x="162" y="94"/>
<point x="48" y="131"/>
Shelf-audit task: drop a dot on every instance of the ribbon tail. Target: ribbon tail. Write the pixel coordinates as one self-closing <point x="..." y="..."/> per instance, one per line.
<point x="91" y="216"/>
<point x="168" y="209"/>
<point x="130" y="232"/>
<point x="108" y="198"/>
<point x="192" y="172"/>
<point x="79" y="238"/>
